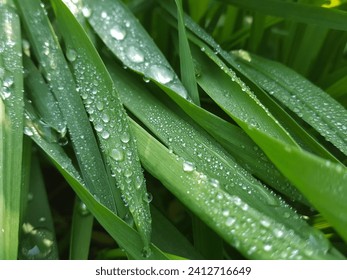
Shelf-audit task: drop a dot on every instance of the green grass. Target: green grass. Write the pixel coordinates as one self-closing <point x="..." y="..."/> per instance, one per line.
<point x="173" y="129"/>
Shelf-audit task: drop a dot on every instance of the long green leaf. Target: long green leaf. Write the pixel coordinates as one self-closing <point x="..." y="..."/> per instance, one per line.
<point x="323" y="182"/>
<point x="61" y="81"/>
<point x="108" y="117"/>
<point x="200" y="154"/>
<point x="11" y="130"/>
<point x="236" y="221"/>
<point x="37" y="241"/>
<point x="306" y="100"/>
<point x="123" y="234"/>
<point x="186" y="61"/>
<point x="128" y="40"/>
<point x="330" y="18"/>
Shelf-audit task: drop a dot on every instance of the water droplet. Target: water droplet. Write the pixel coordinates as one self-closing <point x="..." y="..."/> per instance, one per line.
<point x="226" y="213"/>
<point x="188" y="166"/>
<point x="8" y="82"/>
<point x="82" y="209"/>
<point x="103" y="14"/>
<point x="214" y="183"/>
<point x="135" y="54"/>
<point x="265" y="223"/>
<point x="138" y="182"/>
<point x="36" y="244"/>
<point x="86" y="12"/>
<point x="105" y="118"/>
<point x="105" y="134"/>
<point x="125" y="137"/>
<point x="146" y="79"/>
<point x="5" y="93"/>
<point x="71" y="55"/>
<point x="267" y="247"/>
<point x="42" y="219"/>
<point x="161" y="73"/>
<point x="148" y="197"/>
<point x="99" y="127"/>
<point x="117" y="154"/>
<point x="230" y="221"/>
<point x="118" y="33"/>
<point x="99" y="105"/>
<point x="146" y="252"/>
<point x="28" y="131"/>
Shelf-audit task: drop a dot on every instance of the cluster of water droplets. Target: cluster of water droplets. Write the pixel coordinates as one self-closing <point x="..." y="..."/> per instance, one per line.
<point x="135" y="49"/>
<point x="306" y="100"/>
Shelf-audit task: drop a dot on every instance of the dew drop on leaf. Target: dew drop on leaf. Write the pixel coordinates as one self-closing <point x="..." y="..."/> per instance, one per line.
<point x="135" y="54"/>
<point x="188" y="166"/>
<point x="71" y="55"/>
<point x="161" y="73"/>
<point x="118" y="33"/>
<point x="117" y="154"/>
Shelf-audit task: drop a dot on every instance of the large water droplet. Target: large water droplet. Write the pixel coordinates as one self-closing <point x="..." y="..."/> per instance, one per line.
<point x="8" y="82"/>
<point x="135" y="54"/>
<point x="161" y="73"/>
<point x="230" y="221"/>
<point x="36" y="244"/>
<point x="125" y="137"/>
<point x="117" y="154"/>
<point x="71" y="55"/>
<point x="86" y="12"/>
<point x="118" y="33"/>
<point x="82" y="209"/>
<point x="148" y="197"/>
<point x="105" y="134"/>
<point x="188" y="166"/>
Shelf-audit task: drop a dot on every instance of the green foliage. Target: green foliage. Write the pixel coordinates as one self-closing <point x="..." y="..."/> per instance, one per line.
<point x="245" y="158"/>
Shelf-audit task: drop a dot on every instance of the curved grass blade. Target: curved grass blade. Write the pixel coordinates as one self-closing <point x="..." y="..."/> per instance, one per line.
<point x="323" y="182"/>
<point x="127" y="39"/>
<point x="123" y="234"/>
<point x="300" y="135"/>
<point x="186" y="61"/>
<point x="37" y="241"/>
<point x="11" y="130"/>
<point x="306" y="100"/>
<point x="60" y="79"/>
<point x="108" y="117"/>
<point x="46" y="105"/>
<point x="187" y="140"/>
<point x="329" y="18"/>
<point x="253" y="234"/>
<point x="221" y="173"/>
<point x="81" y="231"/>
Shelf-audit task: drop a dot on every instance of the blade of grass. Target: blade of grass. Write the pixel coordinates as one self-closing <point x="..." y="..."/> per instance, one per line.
<point x="322" y="182"/>
<point x="187" y="141"/>
<point x="220" y="210"/>
<point x="186" y="61"/>
<point x="11" y="130"/>
<point x="123" y="234"/>
<point x="329" y="18"/>
<point x="126" y="38"/>
<point x="81" y="231"/>
<point x="37" y="240"/>
<point x="110" y="122"/>
<point x="168" y="238"/>
<point x="57" y="73"/>
<point x="306" y="100"/>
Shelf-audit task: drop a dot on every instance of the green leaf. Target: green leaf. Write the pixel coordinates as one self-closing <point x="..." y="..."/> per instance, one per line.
<point x="186" y="61"/>
<point x="213" y="172"/>
<point x="321" y="181"/>
<point x="81" y="231"/>
<point x="123" y="234"/>
<point x="330" y="18"/>
<point x="250" y="231"/>
<point x="37" y="240"/>
<point x="11" y="130"/>
<point x="61" y="81"/>
<point x="109" y="118"/>
<point x="127" y="39"/>
<point x="303" y="98"/>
